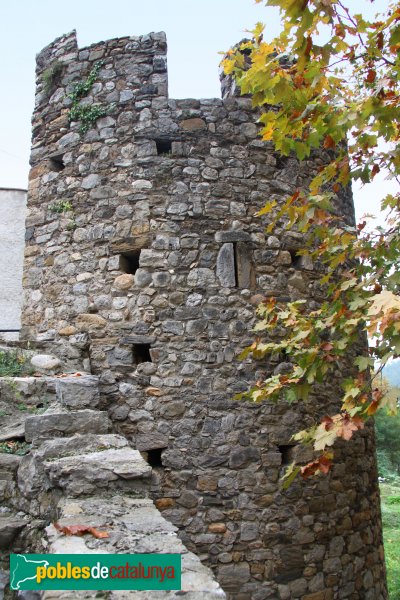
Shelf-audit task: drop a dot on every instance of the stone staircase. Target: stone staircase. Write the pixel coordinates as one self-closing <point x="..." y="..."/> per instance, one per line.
<point x="76" y="472"/>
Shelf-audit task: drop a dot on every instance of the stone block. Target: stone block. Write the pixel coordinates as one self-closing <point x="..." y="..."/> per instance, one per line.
<point x="194" y="124"/>
<point x="226" y="266"/>
<point x="61" y="424"/>
<point x="9" y="528"/>
<point x="232" y="236"/>
<point x="85" y="474"/>
<point x="78" y="392"/>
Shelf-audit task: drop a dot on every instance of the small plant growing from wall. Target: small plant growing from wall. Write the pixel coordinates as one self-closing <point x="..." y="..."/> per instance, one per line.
<point x="12" y="363"/>
<point x="72" y="225"/>
<point x="51" y="77"/>
<point x="14" y="447"/>
<point x="62" y="206"/>
<point x="86" y="114"/>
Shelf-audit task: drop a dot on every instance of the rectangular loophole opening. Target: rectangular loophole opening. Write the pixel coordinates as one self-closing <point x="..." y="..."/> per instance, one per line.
<point x="287" y="453"/>
<point x="243" y="265"/>
<point x="141" y="353"/>
<point x="57" y="163"/>
<point x="281" y="161"/>
<point x="164" y="146"/>
<point x="129" y="262"/>
<point x="296" y="259"/>
<point x="154" y="457"/>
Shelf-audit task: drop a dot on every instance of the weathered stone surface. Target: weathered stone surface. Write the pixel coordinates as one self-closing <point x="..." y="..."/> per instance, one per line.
<point x="84" y="474"/>
<point x="135" y="526"/>
<point x="233" y="576"/>
<point x="124" y="282"/>
<point x="45" y="362"/>
<point x="201" y="277"/>
<point x="67" y="331"/>
<point x="87" y="322"/>
<point x="241" y="457"/>
<point x="226" y="266"/>
<point x="9" y="529"/>
<point x="78" y="392"/>
<point x="65" y="423"/>
<point x="232" y="236"/>
<point x="141" y="185"/>
<point x="9" y="463"/>
<point x="91" y="181"/>
<point x="193" y="124"/>
<point x="150" y="441"/>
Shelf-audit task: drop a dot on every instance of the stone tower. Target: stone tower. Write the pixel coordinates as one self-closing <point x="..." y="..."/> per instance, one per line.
<point x="143" y="264"/>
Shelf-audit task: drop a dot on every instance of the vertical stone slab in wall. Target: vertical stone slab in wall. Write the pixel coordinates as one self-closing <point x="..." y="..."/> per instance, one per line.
<point x="12" y="240"/>
<point x="226" y="266"/>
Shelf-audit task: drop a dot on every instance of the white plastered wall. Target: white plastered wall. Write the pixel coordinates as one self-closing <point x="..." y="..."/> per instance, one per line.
<point x="12" y="242"/>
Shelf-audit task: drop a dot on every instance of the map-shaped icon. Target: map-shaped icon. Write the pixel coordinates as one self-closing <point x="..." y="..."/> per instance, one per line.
<point x="24" y="570"/>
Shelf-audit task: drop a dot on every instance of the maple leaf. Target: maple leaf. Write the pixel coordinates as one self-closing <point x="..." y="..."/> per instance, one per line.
<point x="371" y="76"/>
<point x="325" y="434"/>
<point x="80" y="530"/>
<point x="329" y="142"/>
<point x="348" y="425"/>
<point x="321" y="465"/>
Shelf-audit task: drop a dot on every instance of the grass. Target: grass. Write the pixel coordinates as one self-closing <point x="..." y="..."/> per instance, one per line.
<point x="12" y="363"/>
<point x="390" y="497"/>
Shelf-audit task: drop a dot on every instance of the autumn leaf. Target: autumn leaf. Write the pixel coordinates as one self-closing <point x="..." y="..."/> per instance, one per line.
<point x="329" y="142"/>
<point x="320" y="465"/>
<point x="80" y="530"/>
<point x="347" y="89"/>
<point x="348" y="426"/>
<point x="371" y="76"/>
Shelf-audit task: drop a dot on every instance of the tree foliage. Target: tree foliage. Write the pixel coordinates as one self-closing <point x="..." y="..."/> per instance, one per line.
<point x="387" y="428"/>
<point x="330" y="80"/>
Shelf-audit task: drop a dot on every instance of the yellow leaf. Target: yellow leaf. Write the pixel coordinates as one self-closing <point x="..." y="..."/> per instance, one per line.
<point x="384" y="302"/>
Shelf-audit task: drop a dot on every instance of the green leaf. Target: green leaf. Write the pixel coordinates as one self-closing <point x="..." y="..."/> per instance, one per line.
<point x="363" y="362"/>
<point x="290" y="475"/>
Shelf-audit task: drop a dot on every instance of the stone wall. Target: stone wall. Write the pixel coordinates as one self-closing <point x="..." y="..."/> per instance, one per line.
<point x="12" y="229"/>
<point x="152" y="276"/>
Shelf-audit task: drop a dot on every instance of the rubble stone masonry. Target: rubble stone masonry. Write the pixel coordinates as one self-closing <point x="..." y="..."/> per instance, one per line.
<point x="144" y="263"/>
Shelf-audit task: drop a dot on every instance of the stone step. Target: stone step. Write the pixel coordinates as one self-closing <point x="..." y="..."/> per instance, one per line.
<point x="83" y="463"/>
<point x="59" y="423"/>
<point x="81" y="392"/>
<point x="134" y="526"/>
<point x="10" y="526"/>
<point x="122" y="468"/>
<point x="9" y="464"/>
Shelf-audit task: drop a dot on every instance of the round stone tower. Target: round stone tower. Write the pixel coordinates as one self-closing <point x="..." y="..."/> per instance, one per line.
<point x="144" y="261"/>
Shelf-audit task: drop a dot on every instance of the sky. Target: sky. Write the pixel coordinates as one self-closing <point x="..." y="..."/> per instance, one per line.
<point x="196" y="32"/>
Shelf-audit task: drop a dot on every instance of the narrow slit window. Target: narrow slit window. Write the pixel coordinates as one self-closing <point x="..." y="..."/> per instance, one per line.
<point x="129" y="262"/>
<point x="287" y="453"/>
<point x="281" y="161"/>
<point x="243" y="265"/>
<point x="164" y="146"/>
<point x="296" y="259"/>
<point x="57" y="163"/>
<point x="141" y="353"/>
<point x="154" y="457"/>
<point x="235" y="264"/>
